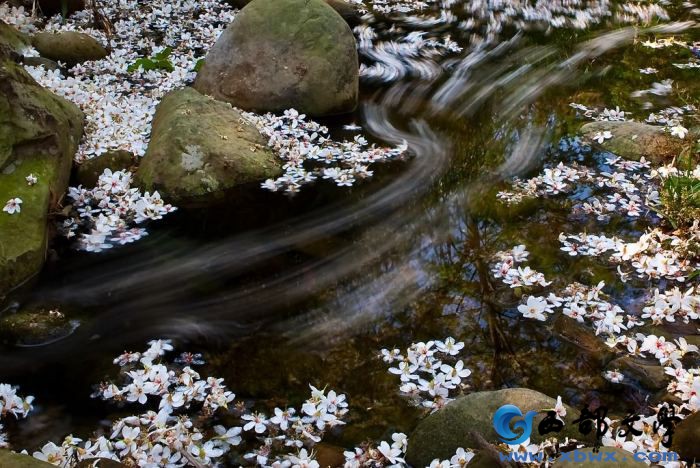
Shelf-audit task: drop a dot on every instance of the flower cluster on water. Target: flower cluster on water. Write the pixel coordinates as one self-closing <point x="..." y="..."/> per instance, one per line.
<point x="184" y="431"/>
<point x="106" y="215"/>
<point x="309" y="153"/>
<point x="423" y="31"/>
<point x="429" y="371"/>
<point x="620" y="186"/>
<point x="663" y="262"/>
<point x="12" y="404"/>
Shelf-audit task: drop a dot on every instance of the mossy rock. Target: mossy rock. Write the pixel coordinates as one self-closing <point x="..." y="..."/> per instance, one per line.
<point x="686" y="439"/>
<point x="281" y="54"/>
<point x="89" y="171"/>
<point x="9" y="459"/>
<point x="648" y="374"/>
<point x="634" y="140"/>
<point x="443" y="432"/>
<point x="39" y="134"/>
<point x="12" y="42"/>
<point x="201" y="148"/>
<point x="604" y="458"/>
<point x="70" y="47"/>
<point x="581" y="336"/>
<point x="40" y="62"/>
<point x="30" y="328"/>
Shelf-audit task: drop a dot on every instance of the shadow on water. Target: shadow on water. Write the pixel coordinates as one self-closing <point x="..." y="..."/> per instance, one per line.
<point x="279" y="292"/>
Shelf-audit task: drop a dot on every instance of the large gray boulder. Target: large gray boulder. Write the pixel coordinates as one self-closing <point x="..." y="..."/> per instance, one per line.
<point x="70" y="47"/>
<point x="281" y="54"/>
<point x="200" y="148"/>
<point x="443" y="432"/>
<point x="39" y="134"/>
<point x="634" y="140"/>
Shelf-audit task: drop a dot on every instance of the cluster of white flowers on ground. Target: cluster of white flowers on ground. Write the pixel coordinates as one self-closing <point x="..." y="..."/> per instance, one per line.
<point x="386" y="455"/>
<point x="429" y="371"/>
<point x="119" y="103"/>
<point x="299" y="141"/>
<point x="12" y="404"/>
<point x="173" y="437"/>
<point x="106" y="214"/>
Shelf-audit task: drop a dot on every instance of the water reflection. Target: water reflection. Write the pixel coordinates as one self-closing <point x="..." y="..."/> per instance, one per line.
<point x="283" y="292"/>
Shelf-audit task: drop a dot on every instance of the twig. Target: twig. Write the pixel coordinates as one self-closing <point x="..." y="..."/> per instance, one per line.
<point x="191" y="459"/>
<point x="489" y="450"/>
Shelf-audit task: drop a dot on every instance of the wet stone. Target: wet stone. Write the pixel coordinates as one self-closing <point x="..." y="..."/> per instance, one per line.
<point x="634" y="140"/>
<point x="443" y="432"/>
<point x="88" y="172"/>
<point x="33" y="328"/>
<point x="648" y="374"/>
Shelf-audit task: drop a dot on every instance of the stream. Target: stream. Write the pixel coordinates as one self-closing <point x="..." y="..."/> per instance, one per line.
<point x="280" y="292"/>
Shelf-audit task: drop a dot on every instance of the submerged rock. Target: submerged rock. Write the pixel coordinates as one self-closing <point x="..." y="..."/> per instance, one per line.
<point x="31" y="328"/>
<point x="634" y="140"/>
<point x="687" y="437"/>
<point x="281" y="54"/>
<point x="9" y="459"/>
<point x="200" y="148"/>
<point x="443" y="432"/>
<point x="648" y="374"/>
<point x="581" y="336"/>
<point x="70" y="47"/>
<point x="90" y="170"/>
<point x="39" y="135"/>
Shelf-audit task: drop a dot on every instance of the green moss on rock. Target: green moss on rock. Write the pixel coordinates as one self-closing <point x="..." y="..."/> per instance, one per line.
<point x="9" y="459"/>
<point x="39" y="134"/>
<point x="11" y="40"/>
<point x="32" y="327"/>
<point x="443" y="432"/>
<point x="200" y="148"/>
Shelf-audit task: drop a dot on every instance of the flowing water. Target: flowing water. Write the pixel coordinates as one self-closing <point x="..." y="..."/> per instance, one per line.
<point x="280" y="292"/>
